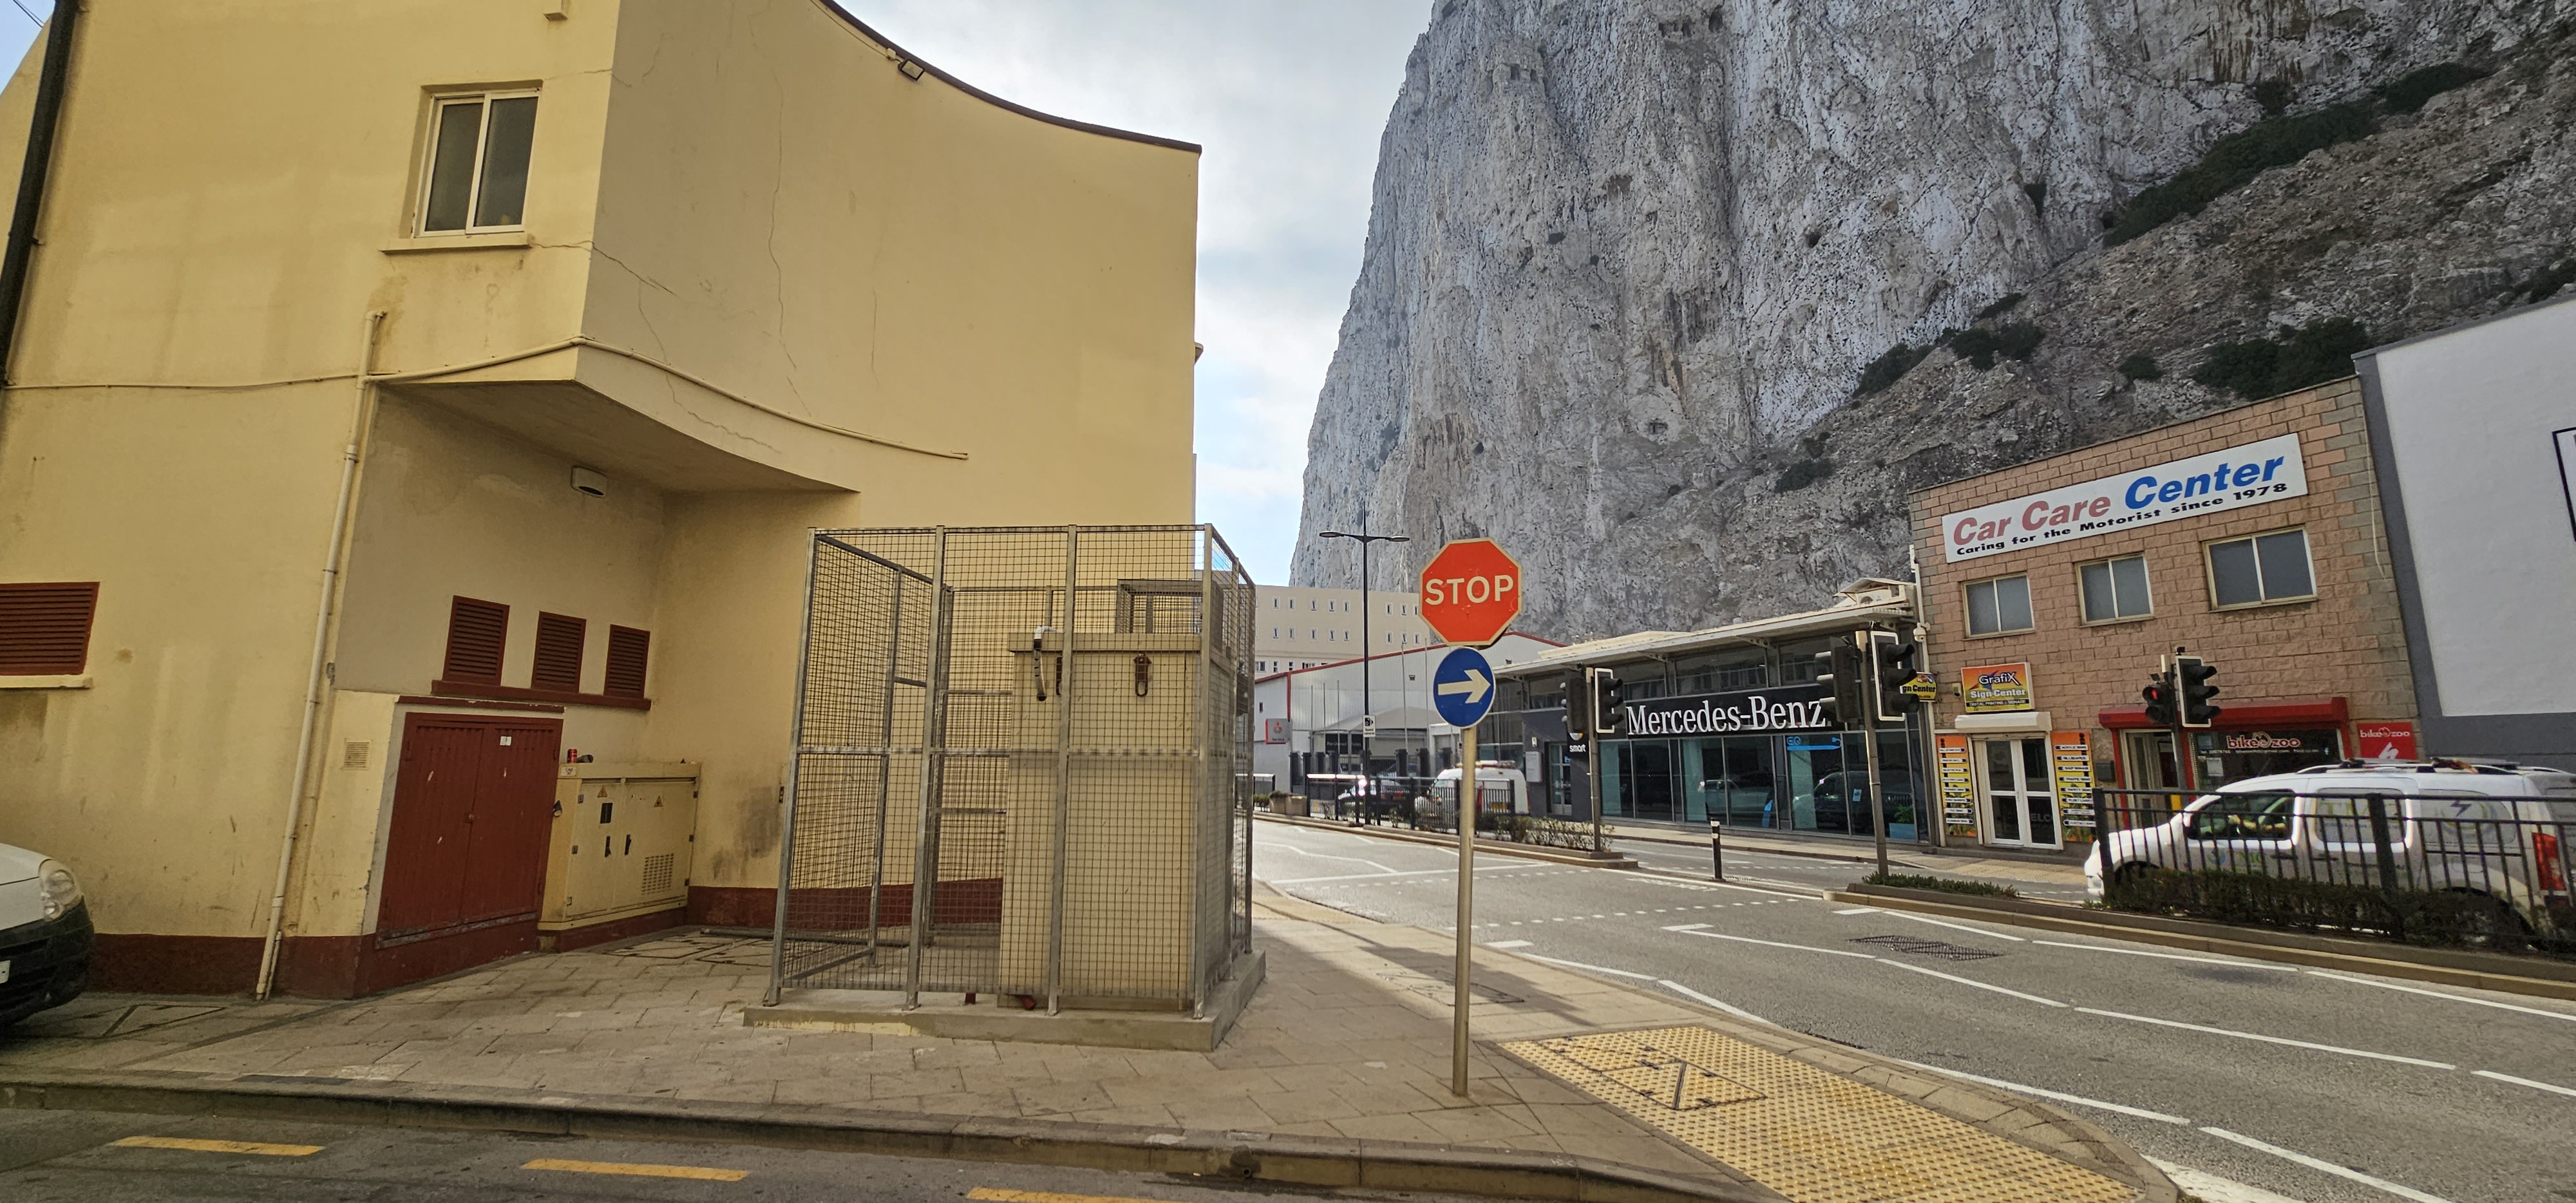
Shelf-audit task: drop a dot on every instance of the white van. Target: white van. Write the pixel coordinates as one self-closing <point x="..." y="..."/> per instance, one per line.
<point x="2500" y="830"/>
<point x="45" y="935"/>
<point x="1500" y="789"/>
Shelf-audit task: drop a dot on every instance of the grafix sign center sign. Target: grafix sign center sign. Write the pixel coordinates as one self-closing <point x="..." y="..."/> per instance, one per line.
<point x="2252" y="474"/>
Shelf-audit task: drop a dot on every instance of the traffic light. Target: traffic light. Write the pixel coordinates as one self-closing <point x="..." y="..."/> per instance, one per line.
<point x="1608" y="717"/>
<point x="2194" y="674"/>
<point x="1891" y="666"/>
<point x="2159" y="695"/>
<point x="1843" y="676"/>
<point x="1578" y="707"/>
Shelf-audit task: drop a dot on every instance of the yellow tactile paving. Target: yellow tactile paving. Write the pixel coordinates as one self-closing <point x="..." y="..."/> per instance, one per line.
<point x="250" y="1148"/>
<point x="628" y="1170"/>
<point x="1806" y="1133"/>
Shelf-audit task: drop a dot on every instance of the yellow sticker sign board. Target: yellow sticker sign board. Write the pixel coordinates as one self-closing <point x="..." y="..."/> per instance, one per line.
<point x="1992" y="688"/>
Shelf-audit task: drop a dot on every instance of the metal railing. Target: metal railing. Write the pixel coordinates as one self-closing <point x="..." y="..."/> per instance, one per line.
<point x="2448" y="867"/>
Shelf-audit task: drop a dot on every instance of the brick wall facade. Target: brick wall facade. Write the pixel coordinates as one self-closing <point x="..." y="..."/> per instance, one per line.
<point x="2348" y="642"/>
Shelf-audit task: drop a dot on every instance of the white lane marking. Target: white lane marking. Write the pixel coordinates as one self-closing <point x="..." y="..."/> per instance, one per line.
<point x="2402" y="1192"/>
<point x="2479" y="1002"/>
<point x="1728" y="885"/>
<point x="1643" y="977"/>
<point x="2214" y="1189"/>
<point x="2282" y="1040"/>
<point x="1969" y="981"/>
<point x="1859" y="910"/>
<point x="1359" y="860"/>
<point x="2060" y="1096"/>
<point x="1509" y="943"/>
<point x="1692" y="929"/>
<point x="2168" y="956"/>
<point x="2489" y="1073"/>
<point x="1977" y="931"/>
<point x="1687" y="992"/>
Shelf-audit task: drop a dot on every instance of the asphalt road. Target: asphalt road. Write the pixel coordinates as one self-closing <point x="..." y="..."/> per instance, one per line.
<point x="100" y="1157"/>
<point x="2322" y="1087"/>
<point x="1817" y="872"/>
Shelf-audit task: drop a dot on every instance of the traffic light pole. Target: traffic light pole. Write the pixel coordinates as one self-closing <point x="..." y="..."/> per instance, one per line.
<point x="1599" y="757"/>
<point x="1877" y="809"/>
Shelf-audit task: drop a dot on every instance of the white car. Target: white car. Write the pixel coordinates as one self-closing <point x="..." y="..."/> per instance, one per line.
<point x="45" y="934"/>
<point x="2498" y="830"/>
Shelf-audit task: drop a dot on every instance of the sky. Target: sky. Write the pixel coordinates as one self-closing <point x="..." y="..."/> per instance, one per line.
<point x="1287" y="99"/>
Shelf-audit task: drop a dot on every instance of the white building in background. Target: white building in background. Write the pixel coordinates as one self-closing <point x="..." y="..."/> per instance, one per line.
<point x="1316" y="710"/>
<point x="1304" y="628"/>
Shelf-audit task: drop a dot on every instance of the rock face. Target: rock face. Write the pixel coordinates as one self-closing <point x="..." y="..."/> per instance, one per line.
<point x="1628" y="258"/>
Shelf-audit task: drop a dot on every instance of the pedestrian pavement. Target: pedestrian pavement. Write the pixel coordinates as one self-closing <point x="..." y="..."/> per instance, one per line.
<point x="1910" y="858"/>
<point x="1347" y="1044"/>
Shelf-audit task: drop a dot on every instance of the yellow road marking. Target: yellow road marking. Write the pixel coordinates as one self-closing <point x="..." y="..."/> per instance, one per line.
<point x="252" y="1147"/>
<point x="700" y="1172"/>
<point x="990" y="1195"/>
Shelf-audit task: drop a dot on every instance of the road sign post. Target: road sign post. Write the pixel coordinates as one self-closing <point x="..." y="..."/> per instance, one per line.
<point x="1470" y="593"/>
<point x="1462" y="689"/>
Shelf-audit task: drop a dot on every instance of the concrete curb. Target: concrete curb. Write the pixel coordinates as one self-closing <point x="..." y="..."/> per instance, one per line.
<point x="1496" y="847"/>
<point x="2451" y="967"/>
<point x="1293" y="1160"/>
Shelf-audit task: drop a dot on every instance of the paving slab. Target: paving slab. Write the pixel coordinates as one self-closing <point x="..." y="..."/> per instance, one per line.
<point x="1337" y="1073"/>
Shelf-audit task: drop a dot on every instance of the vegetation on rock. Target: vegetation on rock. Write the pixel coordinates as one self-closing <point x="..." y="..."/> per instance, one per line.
<point x="2141" y="366"/>
<point x="2407" y="93"/>
<point x="2234" y="160"/>
<point x="1889" y="368"/>
<point x="2263" y="367"/>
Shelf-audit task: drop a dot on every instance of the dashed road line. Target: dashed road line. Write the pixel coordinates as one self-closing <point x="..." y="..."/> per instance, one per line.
<point x="251" y="1148"/>
<point x="2340" y="1171"/>
<point x="1969" y="981"/>
<point x="2169" y="956"/>
<point x="2281" y="1040"/>
<point x="628" y="1170"/>
<point x="2489" y="1073"/>
<point x="1693" y="929"/>
<point x="2462" y="998"/>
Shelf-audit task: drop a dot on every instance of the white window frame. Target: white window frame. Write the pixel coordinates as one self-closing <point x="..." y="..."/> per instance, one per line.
<point x="2209" y="569"/>
<point x="2145" y="574"/>
<point x="1967" y="609"/>
<point x="438" y="103"/>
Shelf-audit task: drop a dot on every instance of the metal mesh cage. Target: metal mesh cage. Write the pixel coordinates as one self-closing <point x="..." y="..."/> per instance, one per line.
<point x="999" y="792"/>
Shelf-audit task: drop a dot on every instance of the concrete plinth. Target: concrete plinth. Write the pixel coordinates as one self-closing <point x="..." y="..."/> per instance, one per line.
<point x="882" y="1012"/>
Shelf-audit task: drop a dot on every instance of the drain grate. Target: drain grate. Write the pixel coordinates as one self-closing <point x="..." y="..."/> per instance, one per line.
<point x="1918" y="946"/>
<point x="1813" y="1136"/>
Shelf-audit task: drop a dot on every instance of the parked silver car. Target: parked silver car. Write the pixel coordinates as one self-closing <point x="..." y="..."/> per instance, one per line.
<point x="2502" y="831"/>
<point x="45" y="935"/>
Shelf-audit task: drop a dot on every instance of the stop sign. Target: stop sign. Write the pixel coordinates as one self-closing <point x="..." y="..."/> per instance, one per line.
<point x="1471" y="592"/>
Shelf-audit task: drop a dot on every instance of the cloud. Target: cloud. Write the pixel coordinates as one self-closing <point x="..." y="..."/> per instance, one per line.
<point x="1288" y="100"/>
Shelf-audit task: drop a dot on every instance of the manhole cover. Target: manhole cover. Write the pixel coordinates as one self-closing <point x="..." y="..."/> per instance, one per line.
<point x="1918" y="946"/>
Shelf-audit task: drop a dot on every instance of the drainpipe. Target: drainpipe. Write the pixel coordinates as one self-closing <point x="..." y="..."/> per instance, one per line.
<point x="361" y="423"/>
<point x="32" y="176"/>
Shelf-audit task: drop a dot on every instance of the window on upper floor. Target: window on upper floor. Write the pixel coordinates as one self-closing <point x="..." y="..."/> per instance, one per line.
<point x="2115" y="589"/>
<point x="476" y="174"/>
<point x="2261" y="570"/>
<point x="2000" y="606"/>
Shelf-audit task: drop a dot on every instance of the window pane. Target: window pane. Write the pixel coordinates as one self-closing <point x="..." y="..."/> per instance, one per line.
<point x="505" y="162"/>
<point x="2129" y="582"/>
<point x="1981" y="608"/>
<point x="451" y="166"/>
<point x="2012" y="603"/>
<point x="2098" y="603"/>
<point x="2231" y="573"/>
<point x="2285" y="564"/>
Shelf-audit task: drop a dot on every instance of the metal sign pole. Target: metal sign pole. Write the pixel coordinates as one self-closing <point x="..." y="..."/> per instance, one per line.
<point x="1467" y="805"/>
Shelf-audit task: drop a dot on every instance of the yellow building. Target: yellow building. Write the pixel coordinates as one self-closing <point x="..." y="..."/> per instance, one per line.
<point x="553" y="325"/>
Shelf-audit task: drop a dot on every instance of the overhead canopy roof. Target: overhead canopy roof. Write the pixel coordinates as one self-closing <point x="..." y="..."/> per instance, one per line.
<point x="1849" y="614"/>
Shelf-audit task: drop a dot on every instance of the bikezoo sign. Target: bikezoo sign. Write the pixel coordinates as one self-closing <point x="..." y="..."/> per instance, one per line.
<point x="2253" y="474"/>
<point x="1794" y="708"/>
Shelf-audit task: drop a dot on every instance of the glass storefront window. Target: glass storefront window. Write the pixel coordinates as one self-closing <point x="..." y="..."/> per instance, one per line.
<point x="1730" y="778"/>
<point x="2225" y="756"/>
<point x="1640" y="784"/>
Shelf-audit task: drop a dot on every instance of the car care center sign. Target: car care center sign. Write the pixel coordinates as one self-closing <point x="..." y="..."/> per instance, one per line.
<point x="1786" y="708"/>
<point x="2204" y="484"/>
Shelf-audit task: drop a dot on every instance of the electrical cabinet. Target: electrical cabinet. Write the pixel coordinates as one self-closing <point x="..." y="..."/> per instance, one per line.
<point x="623" y="834"/>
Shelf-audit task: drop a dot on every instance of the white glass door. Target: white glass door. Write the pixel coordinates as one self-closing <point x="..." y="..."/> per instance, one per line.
<point x="2021" y="798"/>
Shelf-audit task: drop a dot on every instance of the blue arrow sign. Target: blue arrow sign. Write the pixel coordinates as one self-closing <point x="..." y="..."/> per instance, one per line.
<point x="1463" y="687"/>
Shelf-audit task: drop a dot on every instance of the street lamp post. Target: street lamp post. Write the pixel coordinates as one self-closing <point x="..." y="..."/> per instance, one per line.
<point x="1368" y="701"/>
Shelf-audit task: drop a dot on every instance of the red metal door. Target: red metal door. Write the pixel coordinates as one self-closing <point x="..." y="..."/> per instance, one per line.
<point x="467" y="845"/>
<point x="505" y="863"/>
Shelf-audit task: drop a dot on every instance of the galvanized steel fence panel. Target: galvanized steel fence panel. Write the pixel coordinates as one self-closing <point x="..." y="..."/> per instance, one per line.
<point x="1022" y="766"/>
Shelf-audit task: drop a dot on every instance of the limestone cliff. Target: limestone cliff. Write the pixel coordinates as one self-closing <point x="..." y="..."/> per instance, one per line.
<point x="1629" y="258"/>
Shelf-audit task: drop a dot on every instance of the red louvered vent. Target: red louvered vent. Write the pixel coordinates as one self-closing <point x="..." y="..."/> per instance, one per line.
<point x="475" y="633"/>
<point x="559" y="639"/>
<point x="44" y="628"/>
<point x="627" y="651"/>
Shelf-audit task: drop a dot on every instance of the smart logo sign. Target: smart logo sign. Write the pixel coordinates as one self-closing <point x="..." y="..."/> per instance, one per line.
<point x="2238" y="477"/>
